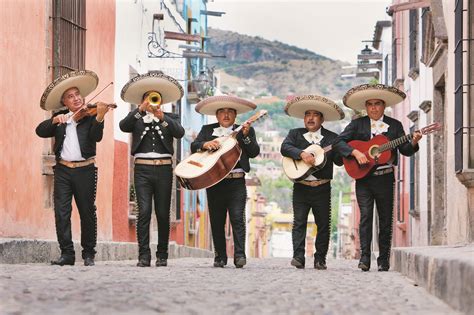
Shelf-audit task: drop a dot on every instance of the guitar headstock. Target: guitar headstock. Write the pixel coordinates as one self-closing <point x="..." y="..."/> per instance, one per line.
<point x="431" y="128"/>
<point x="261" y="113"/>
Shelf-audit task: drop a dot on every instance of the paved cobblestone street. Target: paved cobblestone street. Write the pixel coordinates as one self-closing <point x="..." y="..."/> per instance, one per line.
<point x="193" y="286"/>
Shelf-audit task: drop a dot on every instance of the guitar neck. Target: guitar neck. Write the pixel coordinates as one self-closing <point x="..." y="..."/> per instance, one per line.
<point x="251" y="120"/>
<point x="395" y="143"/>
<point x="328" y="148"/>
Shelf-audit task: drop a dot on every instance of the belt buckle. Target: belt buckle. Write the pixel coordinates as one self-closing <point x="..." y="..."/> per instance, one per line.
<point x="73" y="165"/>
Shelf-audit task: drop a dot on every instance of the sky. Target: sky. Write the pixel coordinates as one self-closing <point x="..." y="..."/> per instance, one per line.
<point x="332" y="28"/>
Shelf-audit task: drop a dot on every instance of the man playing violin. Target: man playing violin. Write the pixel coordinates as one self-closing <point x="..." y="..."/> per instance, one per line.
<point x="75" y="175"/>
<point x="314" y="191"/>
<point x="378" y="185"/>
<point x="230" y="194"/>
<point x="153" y="132"/>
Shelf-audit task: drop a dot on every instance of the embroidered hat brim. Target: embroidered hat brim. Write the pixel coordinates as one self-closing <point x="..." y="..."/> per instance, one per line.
<point x="168" y="87"/>
<point x="356" y="97"/>
<point x="209" y="106"/>
<point x="298" y="106"/>
<point x="86" y="81"/>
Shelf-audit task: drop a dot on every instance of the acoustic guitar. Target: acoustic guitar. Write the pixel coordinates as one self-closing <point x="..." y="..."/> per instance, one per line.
<point x="297" y="170"/>
<point x="204" y="169"/>
<point x="378" y="150"/>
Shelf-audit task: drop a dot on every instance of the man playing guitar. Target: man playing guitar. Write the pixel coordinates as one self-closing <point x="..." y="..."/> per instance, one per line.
<point x="378" y="185"/>
<point x="313" y="191"/>
<point x="229" y="194"/>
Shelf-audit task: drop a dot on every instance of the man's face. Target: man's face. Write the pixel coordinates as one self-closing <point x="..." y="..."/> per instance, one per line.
<point x="313" y="120"/>
<point x="226" y="116"/>
<point x="73" y="99"/>
<point x="375" y="108"/>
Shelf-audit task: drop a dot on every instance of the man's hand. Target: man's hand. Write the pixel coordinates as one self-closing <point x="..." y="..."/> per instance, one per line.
<point x="360" y="157"/>
<point x="156" y="110"/>
<point x="143" y="106"/>
<point x="308" y="158"/>
<point x="416" y="137"/>
<point x="102" y="109"/>
<point x="60" y="119"/>
<point x="213" y="145"/>
<point x="246" y="129"/>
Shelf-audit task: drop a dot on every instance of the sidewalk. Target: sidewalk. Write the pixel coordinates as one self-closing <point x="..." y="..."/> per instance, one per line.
<point x="445" y="271"/>
<point x="20" y="251"/>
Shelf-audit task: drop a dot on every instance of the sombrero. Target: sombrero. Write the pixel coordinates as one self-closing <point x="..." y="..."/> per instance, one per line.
<point x="210" y="105"/>
<point x="168" y="87"/>
<point x="300" y="104"/>
<point x="356" y="97"/>
<point x="86" y="81"/>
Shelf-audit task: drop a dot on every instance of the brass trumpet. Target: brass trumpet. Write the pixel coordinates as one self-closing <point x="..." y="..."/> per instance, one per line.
<point x="154" y="98"/>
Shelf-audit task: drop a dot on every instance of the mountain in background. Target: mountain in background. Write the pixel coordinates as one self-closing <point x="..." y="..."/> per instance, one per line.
<point x="256" y="67"/>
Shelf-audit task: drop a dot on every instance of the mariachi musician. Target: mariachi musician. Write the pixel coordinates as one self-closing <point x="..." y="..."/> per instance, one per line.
<point x="230" y="194"/>
<point x="76" y="133"/>
<point x="314" y="191"/>
<point x="153" y="132"/>
<point x="378" y="185"/>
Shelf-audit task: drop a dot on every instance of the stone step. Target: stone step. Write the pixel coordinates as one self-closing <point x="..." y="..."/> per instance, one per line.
<point x="445" y="271"/>
<point x="20" y="251"/>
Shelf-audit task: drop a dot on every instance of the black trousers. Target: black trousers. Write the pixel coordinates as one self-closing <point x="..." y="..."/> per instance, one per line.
<point x="317" y="199"/>
<point x="81" y="183"/>
<point x="228" y="195"/>
<point x="378" y="189"/>
<point x="153" y="183"/>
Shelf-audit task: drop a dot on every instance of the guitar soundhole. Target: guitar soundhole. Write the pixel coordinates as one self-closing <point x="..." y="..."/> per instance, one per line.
<point x="374" y="151"/>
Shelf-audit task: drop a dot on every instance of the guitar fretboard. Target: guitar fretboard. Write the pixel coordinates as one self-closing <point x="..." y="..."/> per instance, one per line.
<point x="395" y="143"/>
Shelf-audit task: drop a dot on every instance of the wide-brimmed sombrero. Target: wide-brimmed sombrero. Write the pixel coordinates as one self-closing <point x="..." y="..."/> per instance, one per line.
<point x="86" y="81"/>
<point x="210" y="105"/>
<point x="168" y="87"/>
<point x="356" y="97"/>
<point x="298" y="106"/>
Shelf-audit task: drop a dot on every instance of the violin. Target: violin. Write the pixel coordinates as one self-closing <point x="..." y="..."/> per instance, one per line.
<point x="88" y="110"/>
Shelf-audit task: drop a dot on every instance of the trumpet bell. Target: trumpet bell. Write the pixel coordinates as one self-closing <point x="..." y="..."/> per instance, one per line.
<point x="154" y="98"/>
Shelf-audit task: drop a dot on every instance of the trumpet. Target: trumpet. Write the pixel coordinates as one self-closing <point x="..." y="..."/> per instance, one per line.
<point x="154" y="98"/>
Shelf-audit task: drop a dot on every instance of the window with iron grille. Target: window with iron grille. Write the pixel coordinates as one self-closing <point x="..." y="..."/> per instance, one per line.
<point x="69" y="36"/>
<point x="413" y="197"/>
<point x="463" y="56"/>
<point x="394" y="52"/>
<point x="399" y="183"/>
<point x="413" y="43"/>
<point x="427" y="35"/>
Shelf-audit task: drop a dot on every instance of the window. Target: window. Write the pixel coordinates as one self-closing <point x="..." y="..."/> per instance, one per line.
<point x="413" y="44"/>
<point x="427" y="35"/>
<point x="394" y="53"/>
<point x="463" y="89"/>
<point x="69" y="36"/>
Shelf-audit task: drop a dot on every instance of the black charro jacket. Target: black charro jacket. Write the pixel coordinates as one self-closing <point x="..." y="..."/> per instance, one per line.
<point x="89" y="132"/>
<point x="250" y="150"/>
<point x="295" y="143"/>
<point x="170" y="126"/>
<point x="359" y="129"/>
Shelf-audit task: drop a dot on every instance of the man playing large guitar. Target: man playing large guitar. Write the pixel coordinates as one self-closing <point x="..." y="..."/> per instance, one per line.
<point x="314" y="190"/>
<point x="229" y="194"/>
<point x="378" y="184"/>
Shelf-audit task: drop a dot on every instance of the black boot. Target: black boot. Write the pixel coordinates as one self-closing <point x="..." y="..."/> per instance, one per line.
<point x="64" y="260"/>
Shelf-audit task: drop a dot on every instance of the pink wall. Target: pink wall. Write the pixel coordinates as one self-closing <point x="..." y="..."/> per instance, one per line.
<point x="25" y="73"/>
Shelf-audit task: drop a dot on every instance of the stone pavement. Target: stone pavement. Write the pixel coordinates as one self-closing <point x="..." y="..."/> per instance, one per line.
<point x="193" y="286"/>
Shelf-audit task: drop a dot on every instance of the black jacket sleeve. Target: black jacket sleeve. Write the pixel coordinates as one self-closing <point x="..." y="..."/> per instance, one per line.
<point x="288" y="147"/>
<point x="249" y="144"/>
<point x="201" y="138"/>
<point x="340" y="145"/>
<point x="173" y="124"/>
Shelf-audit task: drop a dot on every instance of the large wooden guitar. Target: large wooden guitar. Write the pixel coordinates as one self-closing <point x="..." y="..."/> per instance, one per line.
<point x="207" y="168"/>
<point x="378" y="150"/>
<point x="297" y="170"/>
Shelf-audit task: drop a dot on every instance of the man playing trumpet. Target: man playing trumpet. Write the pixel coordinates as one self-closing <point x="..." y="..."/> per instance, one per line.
<point x="153" y="132"/>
